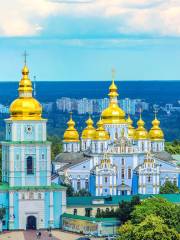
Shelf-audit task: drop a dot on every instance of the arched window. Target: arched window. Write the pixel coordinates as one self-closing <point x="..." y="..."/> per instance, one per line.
<point x="122" y="161"/>
<point x="129" y="173"/>
<point x="78" y="184"/>
<point x="122" y="173"/>
<point x="29" y="163"/>
<point x="86" y="184"/>
<point x="105" y="179"/>
<point x="149" y="178"/>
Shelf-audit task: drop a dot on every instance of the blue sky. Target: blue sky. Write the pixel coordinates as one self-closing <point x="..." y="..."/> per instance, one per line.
<point x="85" y="39"/>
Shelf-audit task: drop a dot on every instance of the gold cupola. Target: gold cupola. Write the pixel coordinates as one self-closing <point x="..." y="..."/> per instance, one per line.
<point x="25" y="107"/>
<point x="140" y="132"/>
<point x="156" y="133"/>
<point x="101" y="133"/>
<point x="131" y="129"/>
<point x="89" y="131"/>
<point x="113" y="114"/>
<point x="71" y="134"/>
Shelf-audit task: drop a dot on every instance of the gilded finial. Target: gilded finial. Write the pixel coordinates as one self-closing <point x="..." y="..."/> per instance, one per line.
<point x="140" y="113"/>
<point x="113" y="74"/>
<point x="155" y="113"/>
<point x="25" y="57"/>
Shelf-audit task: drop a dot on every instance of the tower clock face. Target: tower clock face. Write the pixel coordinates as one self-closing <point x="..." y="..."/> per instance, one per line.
<point x="29" y="129"/>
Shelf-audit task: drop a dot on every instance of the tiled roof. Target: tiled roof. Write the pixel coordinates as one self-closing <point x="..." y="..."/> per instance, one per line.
<point x="54" y="186"/>
<point x="91" y="219"/>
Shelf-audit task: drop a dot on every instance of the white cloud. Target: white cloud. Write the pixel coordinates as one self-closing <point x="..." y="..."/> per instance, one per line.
<point x="154" y="17"/>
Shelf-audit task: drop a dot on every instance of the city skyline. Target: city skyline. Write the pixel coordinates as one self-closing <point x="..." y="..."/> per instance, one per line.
<point x="83" y="40"/>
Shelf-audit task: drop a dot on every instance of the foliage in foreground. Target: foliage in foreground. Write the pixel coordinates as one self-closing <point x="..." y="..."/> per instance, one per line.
<point x="169" y="187"/>
<point x="151" y="228"/>
<point x="173" y="147"/>
<point x="123" y="212"/>
<point x="152" y="219"/>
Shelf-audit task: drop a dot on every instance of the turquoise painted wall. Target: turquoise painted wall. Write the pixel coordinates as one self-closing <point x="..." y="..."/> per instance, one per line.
<point x="57" y="196"/>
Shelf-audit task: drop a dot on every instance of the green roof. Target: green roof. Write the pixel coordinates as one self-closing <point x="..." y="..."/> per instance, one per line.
<point x="54" y="186"/>
<point x="114" y="200"/>
<point x="91" y="219"/>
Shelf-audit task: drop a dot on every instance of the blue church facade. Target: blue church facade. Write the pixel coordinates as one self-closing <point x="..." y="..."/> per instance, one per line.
<point x="29" y="197"/>
<point x="116" y="158"/>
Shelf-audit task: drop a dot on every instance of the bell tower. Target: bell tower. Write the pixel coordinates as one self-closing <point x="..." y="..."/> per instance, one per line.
<point x="26" y="159"/>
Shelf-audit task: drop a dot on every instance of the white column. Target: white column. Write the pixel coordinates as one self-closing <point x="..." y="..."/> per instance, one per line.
<point x="23" y="165"/>
<point x="11" y="210"/>
<point x="37" y="165"/>
<point x="51" y="206"/>
<point x="11" y="165"/>
<point x="48" y="165"/>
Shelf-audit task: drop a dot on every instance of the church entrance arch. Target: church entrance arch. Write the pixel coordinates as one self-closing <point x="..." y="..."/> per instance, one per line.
<point x="31" y="222"/>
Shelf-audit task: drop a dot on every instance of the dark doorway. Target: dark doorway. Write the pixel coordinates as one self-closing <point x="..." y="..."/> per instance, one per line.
<point x="31" y="223"/>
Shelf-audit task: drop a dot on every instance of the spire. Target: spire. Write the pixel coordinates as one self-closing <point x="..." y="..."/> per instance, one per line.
<point x="113" y="89"/>
<point x="25" y="107"/>
<point x="113" y="114"/>
<point x="25" y="85"/>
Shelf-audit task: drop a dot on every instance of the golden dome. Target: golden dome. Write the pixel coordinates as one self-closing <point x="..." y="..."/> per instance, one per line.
<point x="25" y="107"/>
<point x="156" y="132"/>
<point x="101" y="133"/>
<point x="131" y="129"/>
<point x="113" y="114"/>
<point x="140" y="132"/>
<point x="71" y="134"/>
<point x="89" y="131"/>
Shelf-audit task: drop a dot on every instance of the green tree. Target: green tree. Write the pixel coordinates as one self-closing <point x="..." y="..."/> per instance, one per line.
<point x="56" y="146"/>
<point x="169" y="212"/>
<point x="169" y="187"/>
<point x="82" y="193"/>
<point x="173" y="147"/>
<point x="70" y="189"/>
<point x="151" y="228"/>
<point x="125" y="209"/>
